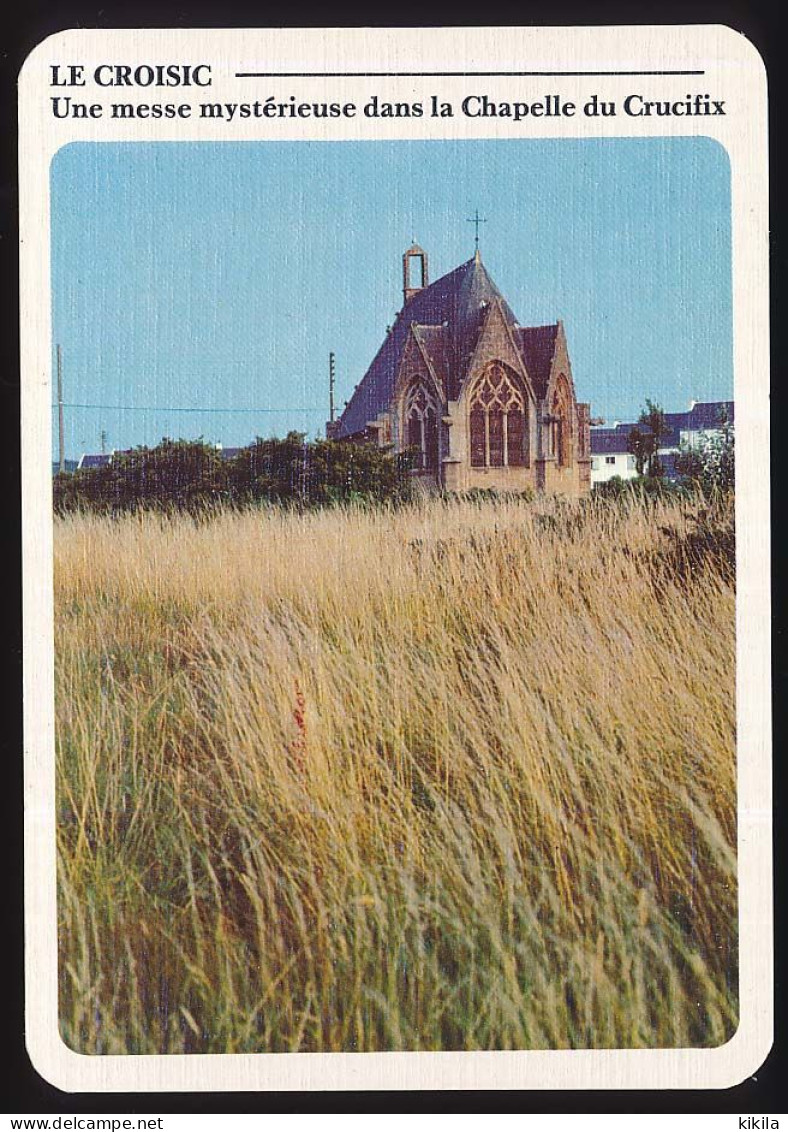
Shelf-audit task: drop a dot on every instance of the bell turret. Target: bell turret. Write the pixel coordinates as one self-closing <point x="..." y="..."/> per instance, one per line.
<point x="414" y="271"/>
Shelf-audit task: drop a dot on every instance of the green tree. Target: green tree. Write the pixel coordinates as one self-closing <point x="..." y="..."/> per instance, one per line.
<point x="179" y="474"/>
<point x="272" y="470"/>
<point x="712" y="463"/>
<point x="190" y="475"/>
<point x="645" y="439"/>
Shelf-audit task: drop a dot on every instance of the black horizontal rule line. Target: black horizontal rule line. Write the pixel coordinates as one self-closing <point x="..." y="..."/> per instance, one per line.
<point x="449" y="74"/>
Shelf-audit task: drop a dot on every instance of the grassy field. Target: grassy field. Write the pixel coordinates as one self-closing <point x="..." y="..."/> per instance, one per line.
<point x="458" y="776"/>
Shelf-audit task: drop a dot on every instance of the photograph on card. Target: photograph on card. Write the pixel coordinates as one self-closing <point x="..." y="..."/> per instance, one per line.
<point x="394" y="568"/>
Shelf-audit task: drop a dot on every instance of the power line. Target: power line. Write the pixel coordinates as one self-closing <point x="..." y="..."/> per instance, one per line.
<point x="179" y="409"/>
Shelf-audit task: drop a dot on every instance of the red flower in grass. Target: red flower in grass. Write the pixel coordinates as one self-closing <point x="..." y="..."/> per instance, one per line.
<point x="298" y="746"/>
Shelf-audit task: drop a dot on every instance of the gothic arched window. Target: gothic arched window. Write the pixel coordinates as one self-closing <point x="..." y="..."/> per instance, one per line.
<point x="561" y="423"/>
<point x="421" y="423"/>
<point x="497" y="421"/>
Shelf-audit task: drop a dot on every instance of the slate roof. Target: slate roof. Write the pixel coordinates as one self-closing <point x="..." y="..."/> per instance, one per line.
<point x="94" y="460"/>
<point x="610" y="441"/>
<point x="435" y="342"/>
<point x="448" y="316"/>
<point x="537" y="346"/>
<point x="705" y="415"/>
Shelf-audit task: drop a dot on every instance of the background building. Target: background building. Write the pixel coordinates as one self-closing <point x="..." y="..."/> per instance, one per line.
<point x="610" y="454"/>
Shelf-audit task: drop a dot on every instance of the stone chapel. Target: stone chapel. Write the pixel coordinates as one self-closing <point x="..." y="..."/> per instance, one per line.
<point x="481" y="400"/>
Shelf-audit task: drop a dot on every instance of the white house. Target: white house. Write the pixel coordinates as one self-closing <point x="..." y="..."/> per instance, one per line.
<point x="610" y="454"/>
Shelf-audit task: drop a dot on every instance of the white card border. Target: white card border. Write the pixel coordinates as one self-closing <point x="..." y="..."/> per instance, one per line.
<point x="733" y="65"/>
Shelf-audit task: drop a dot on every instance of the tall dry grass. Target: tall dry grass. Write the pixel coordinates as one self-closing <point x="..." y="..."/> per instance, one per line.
<point x="459" y="776"/>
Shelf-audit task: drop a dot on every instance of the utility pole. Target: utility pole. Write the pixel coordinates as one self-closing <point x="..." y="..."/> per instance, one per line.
<point x="61" y="430"/>
<point x="331" y="377"/>
<point x="103" y="441"/>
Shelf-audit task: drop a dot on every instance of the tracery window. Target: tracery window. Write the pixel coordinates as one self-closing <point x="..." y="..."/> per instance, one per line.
<point x="498" y="421"/>
<point x="561" y="424"/>
<point x="421" y="424"/>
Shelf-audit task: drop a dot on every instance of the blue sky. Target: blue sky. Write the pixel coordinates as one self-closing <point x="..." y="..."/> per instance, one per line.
<point x="218" y="276"/>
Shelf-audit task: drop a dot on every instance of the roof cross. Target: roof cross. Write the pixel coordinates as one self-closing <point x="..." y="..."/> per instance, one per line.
<point x="477" y="220"/>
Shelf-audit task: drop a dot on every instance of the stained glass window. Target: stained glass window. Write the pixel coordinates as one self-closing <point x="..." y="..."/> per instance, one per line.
<point x="497" y="421"/>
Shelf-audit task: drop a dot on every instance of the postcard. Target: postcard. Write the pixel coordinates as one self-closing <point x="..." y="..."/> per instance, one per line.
<point x="396" y="558"/>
